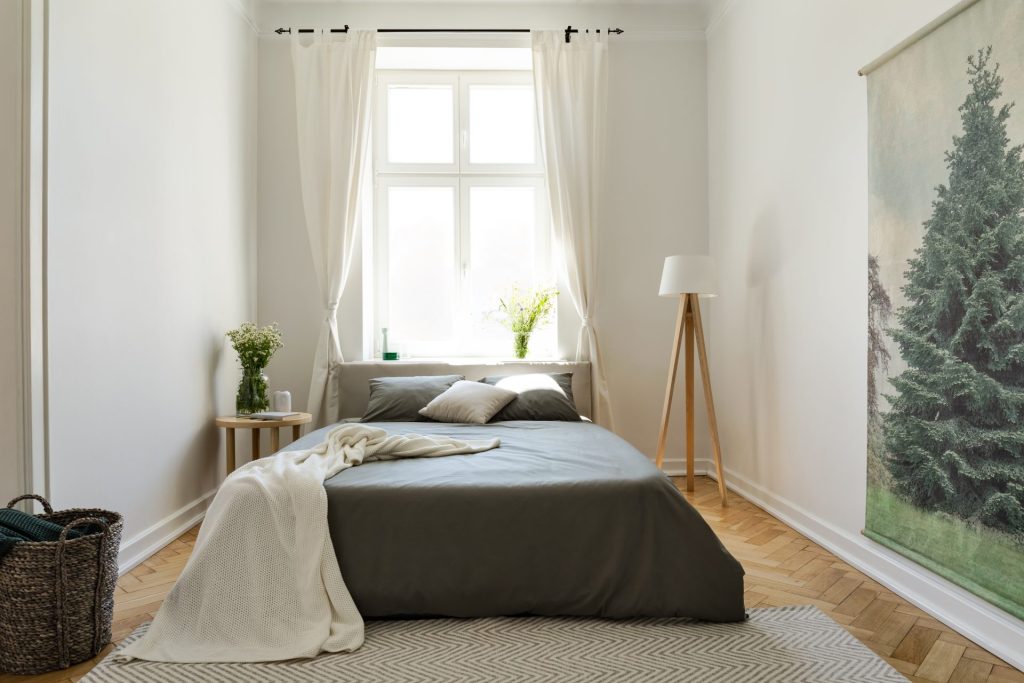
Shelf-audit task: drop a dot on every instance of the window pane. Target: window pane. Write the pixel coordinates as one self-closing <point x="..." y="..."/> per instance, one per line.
<point x="421" y="263"/>
<point x="420" y="124"/>
<point x="501" y="124"/>
<point x="503" y="253"/>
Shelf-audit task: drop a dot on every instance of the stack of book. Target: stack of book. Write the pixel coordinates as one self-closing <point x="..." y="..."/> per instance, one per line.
<point x="269" y="416"/>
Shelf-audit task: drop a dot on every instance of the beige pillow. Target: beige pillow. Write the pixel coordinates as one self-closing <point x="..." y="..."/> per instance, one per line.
<point x="465" y="401"/>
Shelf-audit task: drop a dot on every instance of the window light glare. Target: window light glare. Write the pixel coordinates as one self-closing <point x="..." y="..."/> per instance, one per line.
<point x="501" y="123"/>
<point x="421" y="122"/>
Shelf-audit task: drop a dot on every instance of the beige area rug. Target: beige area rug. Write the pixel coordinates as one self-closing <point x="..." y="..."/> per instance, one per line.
<point x="779" y="644"/>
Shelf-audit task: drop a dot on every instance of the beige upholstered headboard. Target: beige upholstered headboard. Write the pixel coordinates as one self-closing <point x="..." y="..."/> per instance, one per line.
<point x="355" y="377"/>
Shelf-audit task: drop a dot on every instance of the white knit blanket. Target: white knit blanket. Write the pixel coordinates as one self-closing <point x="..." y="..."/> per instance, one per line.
<point x="263" y="582"/>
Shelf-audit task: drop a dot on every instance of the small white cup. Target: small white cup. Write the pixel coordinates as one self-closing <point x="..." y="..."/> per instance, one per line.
<point x="282" y="401"/>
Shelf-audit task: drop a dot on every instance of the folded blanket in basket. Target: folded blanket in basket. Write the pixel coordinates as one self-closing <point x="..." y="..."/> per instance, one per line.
<point x="7" y="541"/>
<point x="31" y="527"/>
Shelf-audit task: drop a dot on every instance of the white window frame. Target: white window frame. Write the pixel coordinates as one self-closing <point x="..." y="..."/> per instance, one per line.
<point x="462" y="175"/>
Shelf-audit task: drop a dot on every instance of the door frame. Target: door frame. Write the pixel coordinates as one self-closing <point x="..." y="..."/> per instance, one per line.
<point x="33" y="380"/>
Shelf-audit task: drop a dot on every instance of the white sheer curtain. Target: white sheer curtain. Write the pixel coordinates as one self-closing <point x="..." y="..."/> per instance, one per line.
<point x="333" y="92"/>
<point x="571" y="84"/>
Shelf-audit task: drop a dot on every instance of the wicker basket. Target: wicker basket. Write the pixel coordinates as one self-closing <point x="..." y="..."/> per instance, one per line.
<point x="57" y="598"/>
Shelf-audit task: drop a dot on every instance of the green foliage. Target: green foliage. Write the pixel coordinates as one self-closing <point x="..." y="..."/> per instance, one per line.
<point x="981" y="559"/>
<point x="522" y="311"/>
<point x="255" y="345"/>
<point x="955" y="433"/>
<point x="252" y="393"/>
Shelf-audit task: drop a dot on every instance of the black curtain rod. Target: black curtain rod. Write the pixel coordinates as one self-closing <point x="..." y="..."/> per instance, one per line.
<point x="569" y="30"/>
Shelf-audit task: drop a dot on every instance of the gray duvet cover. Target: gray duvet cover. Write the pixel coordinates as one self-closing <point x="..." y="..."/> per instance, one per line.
<point x="565" y="518"/>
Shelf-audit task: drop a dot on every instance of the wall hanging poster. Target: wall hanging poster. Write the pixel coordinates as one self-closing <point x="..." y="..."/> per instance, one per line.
<point x="946" y="300"/>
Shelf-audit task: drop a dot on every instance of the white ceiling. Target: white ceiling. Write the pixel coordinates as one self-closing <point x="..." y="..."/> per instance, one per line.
<point x="688" y="3"/>
<point x="705" y="10"/>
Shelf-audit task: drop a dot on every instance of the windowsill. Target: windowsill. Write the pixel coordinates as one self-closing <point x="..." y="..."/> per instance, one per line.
<point x="469" y="360"/>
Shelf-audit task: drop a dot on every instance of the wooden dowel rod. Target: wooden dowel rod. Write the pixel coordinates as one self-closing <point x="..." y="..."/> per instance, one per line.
<point x="705" y="373"/>
<point x="673" y="370"/>
<point x="690" y="448"/>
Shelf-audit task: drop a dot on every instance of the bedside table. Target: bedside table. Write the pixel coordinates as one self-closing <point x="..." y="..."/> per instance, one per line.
<point x="230" y="423"/>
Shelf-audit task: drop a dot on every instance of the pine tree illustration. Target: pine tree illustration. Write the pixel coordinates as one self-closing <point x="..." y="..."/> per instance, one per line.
<point x="879" y="312"/>
<point x="955" y="432"/>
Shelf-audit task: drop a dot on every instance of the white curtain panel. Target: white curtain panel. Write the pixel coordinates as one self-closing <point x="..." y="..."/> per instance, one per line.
<point x="333" y="95"/>
<point x="571" y="85"/>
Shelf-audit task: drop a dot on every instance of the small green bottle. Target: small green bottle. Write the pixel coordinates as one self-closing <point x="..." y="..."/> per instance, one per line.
<point x="387" y="355"/>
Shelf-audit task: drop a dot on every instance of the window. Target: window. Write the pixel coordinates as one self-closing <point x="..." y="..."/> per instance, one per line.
<point x="460" y="210"/>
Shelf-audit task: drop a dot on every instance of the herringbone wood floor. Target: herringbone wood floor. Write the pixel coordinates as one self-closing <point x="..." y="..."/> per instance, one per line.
<point x="783" y="568"/>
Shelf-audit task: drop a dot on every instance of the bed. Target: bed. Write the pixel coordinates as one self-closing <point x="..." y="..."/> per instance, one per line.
<point x="564" y="519"/>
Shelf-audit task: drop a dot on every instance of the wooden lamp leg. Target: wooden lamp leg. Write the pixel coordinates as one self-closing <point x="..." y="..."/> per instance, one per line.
<point x="705" y="374"/>
<point x="673" y="369"/>
<point x="690" y="449"/>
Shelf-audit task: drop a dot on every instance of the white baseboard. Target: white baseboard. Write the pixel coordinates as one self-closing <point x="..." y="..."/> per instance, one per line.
<point x="993" y="629"/>
<point x="676" y="467"/>
<point x="147" y="543"/>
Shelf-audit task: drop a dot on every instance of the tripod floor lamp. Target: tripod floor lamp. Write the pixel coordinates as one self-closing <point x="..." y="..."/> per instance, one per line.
<point x="688" y="278"/>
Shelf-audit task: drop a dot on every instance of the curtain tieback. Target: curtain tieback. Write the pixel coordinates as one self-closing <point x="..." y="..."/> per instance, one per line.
<point x="587" y="321"/>
<point x="332" y="310"/>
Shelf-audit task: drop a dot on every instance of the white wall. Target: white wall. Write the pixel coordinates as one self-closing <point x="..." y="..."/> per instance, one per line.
<point x="655" y="205"/>
<point x="788" y="208"/>
<point x="11" y="457"/>
<point x="151" y="249"/>
<point x="655" y="201"/>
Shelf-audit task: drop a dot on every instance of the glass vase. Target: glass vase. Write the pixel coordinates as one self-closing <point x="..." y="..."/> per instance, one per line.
<point x="522" y="343"/>
<point x="252" y="392"/>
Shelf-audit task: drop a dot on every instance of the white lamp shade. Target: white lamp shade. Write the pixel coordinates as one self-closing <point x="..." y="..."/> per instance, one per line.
<point x="689" y="274"/>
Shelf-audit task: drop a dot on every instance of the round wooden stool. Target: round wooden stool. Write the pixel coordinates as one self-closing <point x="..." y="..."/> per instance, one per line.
<point x="232" y="422"/>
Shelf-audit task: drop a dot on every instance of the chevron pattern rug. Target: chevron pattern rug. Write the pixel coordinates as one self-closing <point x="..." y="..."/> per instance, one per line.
<point x="779" y="644"/>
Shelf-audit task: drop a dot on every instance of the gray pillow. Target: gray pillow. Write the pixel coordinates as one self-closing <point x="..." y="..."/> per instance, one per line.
<point x="541" y="397"/>
<point x="399" y="399"/>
